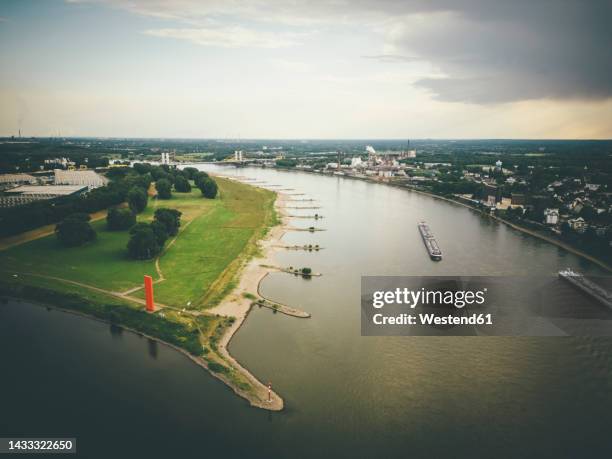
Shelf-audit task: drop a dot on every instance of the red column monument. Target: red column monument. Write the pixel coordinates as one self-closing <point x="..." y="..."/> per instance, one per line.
<point x="148" y="283"/>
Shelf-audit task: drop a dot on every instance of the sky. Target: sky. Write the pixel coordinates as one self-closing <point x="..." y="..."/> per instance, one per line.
<point x="306" y="69"/>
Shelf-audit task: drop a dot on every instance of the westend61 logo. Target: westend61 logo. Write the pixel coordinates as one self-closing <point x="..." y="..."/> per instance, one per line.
<point x="481" y="306"/>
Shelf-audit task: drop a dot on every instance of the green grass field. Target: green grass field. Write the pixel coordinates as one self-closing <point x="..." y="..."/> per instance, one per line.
<point x="215" y="237"/>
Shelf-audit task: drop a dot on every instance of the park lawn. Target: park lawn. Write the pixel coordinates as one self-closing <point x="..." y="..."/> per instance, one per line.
<point x="215" y="237"/>
<point x="103" y="263"/>
<point x="201" y="264"/>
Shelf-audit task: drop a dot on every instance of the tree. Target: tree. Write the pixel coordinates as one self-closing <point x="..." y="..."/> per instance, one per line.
<point x="143" y="243"/>
<point x="158" y="173"/>
<point x="286" y="163"/>
<point x="190" y="173"/>
<point x="164" y="189"/>
<point x="75" y="230"/>
<point x="120" y="219"/>
<point x="566" y="230"/>
<point x="137" y="199"/>
<point x="142" y="168"/>
<point x="182" y="185"/>
<point x="208" y="187"/>
<point x="199" y="178"/>
<point x="161" y="234"/>
<point x="170" y="218"/>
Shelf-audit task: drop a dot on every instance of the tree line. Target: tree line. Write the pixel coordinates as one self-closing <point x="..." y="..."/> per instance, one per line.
<point x="126" y="184"/>
<point x="15" y="220"/>
<point x="147" y="240"/>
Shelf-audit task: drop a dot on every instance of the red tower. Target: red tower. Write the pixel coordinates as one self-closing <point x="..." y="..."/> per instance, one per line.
<point x="148" y="283"/>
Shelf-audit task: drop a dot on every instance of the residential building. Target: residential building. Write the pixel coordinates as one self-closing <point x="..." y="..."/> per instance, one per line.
<point x="551" y="216"/>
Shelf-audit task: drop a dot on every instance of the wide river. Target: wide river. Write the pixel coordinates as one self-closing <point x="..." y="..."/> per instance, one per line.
<point x="345" y="395"/>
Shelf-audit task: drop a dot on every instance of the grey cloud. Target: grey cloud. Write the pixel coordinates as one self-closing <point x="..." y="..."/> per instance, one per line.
<point x="490" y="50"/>
<point x="503" y="52"/>
<point x="390" y="58"/>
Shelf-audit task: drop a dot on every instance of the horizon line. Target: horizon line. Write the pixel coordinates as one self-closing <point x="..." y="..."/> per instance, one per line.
<point x="306" y="139"/>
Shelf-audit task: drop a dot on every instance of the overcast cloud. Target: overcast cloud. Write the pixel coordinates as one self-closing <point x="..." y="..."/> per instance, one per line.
<point x="489" y="50"/>
<point x="307" y="68"/>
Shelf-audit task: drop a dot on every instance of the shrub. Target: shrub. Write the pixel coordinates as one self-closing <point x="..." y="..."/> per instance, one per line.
<point x="217" y="367"/>
<point x="120" y="219"/>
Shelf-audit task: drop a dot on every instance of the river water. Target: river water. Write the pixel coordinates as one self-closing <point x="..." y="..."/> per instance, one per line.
<point x="345" y="395"/>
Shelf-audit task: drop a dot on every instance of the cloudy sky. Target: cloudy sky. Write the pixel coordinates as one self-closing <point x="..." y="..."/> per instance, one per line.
<point x="307" y="69"/>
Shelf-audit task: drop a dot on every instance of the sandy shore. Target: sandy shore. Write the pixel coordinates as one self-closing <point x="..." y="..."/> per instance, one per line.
<point x="237" y="305"/>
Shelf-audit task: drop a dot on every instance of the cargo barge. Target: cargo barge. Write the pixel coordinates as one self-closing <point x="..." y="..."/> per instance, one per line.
<point x="430" y="242"/>
<point x="590" y="288"/>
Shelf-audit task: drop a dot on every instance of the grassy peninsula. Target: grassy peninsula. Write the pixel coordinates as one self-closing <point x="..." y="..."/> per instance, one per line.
<point x="195" y="271"/>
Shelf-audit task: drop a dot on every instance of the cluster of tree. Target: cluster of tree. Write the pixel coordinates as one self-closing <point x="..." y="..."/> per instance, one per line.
<point x="455" y="187"/>
<point x="75" y="230"/>
<point x="207" y="185"/>
<point x="137" y="199"/>
<point x="120" y="219"/>
<point x="31" y="155"/>
<point x="182" y="185"/>
<point x="286" y="163"/>
<point x="167" y="177"/>
<point x="147" y="240"/>
<point x="164" y="188"/>
<point x="589" y="241"/>
<point x="15" y="220"/>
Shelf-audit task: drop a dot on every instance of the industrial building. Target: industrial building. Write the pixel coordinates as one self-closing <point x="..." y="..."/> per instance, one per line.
<point x="88" y="178"/>
<point x="11" y="180"/>
<point x="26" y="194"/>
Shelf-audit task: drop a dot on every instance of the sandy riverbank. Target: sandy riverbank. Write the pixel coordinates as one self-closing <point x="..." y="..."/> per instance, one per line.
<point x="237" y="305"/>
